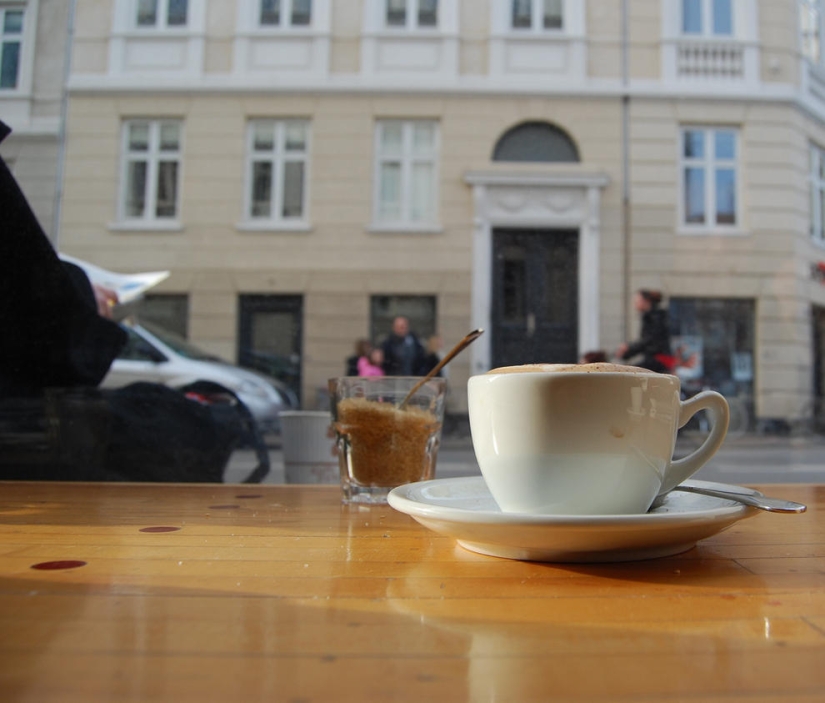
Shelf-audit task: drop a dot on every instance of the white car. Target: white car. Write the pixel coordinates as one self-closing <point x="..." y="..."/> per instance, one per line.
<point x="158" y="356"/>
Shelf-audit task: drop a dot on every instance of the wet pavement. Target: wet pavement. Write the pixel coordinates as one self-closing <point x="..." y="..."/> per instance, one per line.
<point x="744" y="461"/>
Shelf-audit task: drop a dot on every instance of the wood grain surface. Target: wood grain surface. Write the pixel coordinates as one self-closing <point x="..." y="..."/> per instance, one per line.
<point x="280" y="593"/>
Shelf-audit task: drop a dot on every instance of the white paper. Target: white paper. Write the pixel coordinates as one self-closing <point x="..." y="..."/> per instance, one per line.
<point x="126" y="286"/>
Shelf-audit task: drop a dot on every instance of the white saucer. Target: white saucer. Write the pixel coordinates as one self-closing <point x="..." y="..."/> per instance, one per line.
<point x="464" y="509"/>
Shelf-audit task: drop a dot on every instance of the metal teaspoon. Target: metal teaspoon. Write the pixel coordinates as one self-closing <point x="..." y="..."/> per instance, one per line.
<point x="772" y="505"/>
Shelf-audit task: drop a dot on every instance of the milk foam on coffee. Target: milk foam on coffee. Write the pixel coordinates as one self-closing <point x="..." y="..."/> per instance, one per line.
<point x="600" y="367"/>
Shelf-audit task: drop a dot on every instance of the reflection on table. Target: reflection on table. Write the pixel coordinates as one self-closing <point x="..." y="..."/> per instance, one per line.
<point x="220" y="592"/>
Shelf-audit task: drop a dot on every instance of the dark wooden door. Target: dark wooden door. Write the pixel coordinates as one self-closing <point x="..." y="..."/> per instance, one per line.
<point x="535" y="296"/>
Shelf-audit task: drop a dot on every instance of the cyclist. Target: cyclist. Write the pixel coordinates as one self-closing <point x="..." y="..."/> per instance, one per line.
<point x="653" y="345"/>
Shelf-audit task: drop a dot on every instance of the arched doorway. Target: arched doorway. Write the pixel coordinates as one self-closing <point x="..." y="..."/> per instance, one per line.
<point x="536" y="251"/>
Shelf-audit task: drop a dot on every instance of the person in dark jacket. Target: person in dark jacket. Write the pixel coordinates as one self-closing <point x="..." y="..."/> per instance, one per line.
<point x="53" y="335"/>
<point x="403" y="352"/>
<point x="653" y="346"/>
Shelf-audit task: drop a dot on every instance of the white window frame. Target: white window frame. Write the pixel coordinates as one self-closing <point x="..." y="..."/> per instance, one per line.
<point x="285" y="20"/>
<point x="153" y="155"/>
<point x="536" y="18"/>
<point x="707" y="24"/>
<point x="278" y="157"/>
<point x="375" y="21"/>
<point x="813" y="10"/>
<point x="407" y="160"/>
<point x="412" y="54"/>
<point x="708" y="162"/>
<point x="140" y="54"/>
<point x="162" y="12"/>
<point x="816" y="179"/>
<point x="19" y="39"/>
<point x="411" y="19"/>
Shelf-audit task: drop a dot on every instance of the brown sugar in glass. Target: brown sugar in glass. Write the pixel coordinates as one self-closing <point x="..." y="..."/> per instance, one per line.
<point x="381" y="445"/>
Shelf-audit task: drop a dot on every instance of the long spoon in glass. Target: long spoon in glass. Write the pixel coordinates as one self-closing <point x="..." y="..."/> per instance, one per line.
<point x="448" y="357"/>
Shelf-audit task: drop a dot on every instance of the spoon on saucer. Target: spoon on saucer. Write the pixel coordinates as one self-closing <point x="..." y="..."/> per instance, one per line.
<point x="772" y="505"/>
<point x="468" y="339"/>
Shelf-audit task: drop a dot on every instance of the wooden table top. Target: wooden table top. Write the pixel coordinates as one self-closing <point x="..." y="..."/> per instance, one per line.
<point x="280" y="593"/>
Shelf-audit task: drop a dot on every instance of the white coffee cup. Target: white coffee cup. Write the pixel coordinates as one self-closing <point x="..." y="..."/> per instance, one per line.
<point x="584" y="439"/>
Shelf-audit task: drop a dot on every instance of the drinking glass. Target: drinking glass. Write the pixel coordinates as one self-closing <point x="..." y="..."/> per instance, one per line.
<point x="382" y="443"/>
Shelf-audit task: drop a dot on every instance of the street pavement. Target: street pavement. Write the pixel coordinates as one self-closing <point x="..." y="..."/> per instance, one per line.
<point x="746" y="460"/>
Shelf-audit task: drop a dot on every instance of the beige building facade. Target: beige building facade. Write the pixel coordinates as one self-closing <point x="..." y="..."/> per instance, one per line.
<point x="33" y="54"/>
<point x="306" y="170"/>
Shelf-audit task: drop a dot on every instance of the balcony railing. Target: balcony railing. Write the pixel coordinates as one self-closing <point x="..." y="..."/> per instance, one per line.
<point x="717" y="65"/>
<point x="710" y="60"/>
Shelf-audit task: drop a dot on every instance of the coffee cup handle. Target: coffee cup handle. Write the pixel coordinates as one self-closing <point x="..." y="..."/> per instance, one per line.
<point x="717" y="408"/>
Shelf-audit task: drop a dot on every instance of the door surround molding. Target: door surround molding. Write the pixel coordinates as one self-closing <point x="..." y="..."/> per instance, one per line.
<point x="545" y="200"/>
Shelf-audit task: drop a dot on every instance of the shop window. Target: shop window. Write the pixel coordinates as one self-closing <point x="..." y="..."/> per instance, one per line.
<point x="718" y="335"/>
<point x="420" y="310"/>
<point x="270" y="336"/>
<point x="169" y="311"/>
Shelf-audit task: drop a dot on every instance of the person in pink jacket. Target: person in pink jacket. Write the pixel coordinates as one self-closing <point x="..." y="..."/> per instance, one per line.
<point x="371" y="364"/>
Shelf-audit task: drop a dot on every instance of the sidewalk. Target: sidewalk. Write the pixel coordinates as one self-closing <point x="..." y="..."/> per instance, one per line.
<point x="746" y="460"/>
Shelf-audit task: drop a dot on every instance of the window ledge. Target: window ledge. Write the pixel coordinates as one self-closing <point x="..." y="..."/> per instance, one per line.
<point x="720" y="39"/>
<point x="412" y="33"/>
<point x="159" y="33"/>
<point x="146" y="226"/>
<point x="273" y="226"/>
<point x="535" y="35"/>
<point x="712" y="231"/>
<point x="404" y="228"/>
<point x="290" y="32"/>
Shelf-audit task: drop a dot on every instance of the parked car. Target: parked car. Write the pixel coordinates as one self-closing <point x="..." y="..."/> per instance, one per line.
<point x="159" y="356"/>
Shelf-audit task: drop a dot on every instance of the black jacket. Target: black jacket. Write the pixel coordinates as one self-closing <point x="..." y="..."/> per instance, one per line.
<point x="654" y="340"/>
<point x="52" y="334"/>
<point x="403" y="356"/>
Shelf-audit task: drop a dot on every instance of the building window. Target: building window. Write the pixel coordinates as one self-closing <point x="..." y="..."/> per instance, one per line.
<point x="285" y="13"/>
<point x="810" y="29"/>
<point x="406" y="172"/>
<point x="151" y="163"/>
<point x="277" y="170"/>
<point x="537" y="14"/>
<point x="535" y="141"/>
<point x="411" y="14"/>
<point x="709" y="177"/>
<point x="817" y="178"/>
<point x="11" y="34"/>
<point x="420" y="310"/>
<point x="159" y="14"/>
<point x="709" y="18"/>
